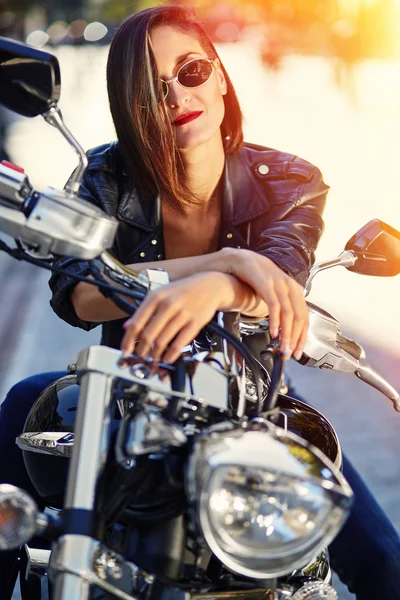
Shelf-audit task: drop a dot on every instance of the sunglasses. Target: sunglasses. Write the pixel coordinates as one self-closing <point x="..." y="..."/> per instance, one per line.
<point x="192" y="74"/>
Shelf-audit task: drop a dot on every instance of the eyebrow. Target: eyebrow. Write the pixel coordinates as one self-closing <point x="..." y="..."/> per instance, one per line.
<point x="185" y="56"/>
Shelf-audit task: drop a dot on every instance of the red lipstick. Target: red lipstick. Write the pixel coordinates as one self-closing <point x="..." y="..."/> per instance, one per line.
<point x="187" y="117"/>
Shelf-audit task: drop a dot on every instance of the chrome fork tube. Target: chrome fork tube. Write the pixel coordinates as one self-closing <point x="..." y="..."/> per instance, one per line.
<point x="90" y="442"/>
<point x="71" y="587"/>
<point x="88" y="458"/>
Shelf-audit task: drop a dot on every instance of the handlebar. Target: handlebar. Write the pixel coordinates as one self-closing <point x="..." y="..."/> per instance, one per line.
<point x="327" y="348"/>
<point x="52" y="221"/>
<point x="60" y="222"/>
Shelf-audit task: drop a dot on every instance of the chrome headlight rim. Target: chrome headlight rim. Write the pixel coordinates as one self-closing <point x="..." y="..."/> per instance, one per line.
<point x="335" y="498"/>
<point x="214" y="451"/>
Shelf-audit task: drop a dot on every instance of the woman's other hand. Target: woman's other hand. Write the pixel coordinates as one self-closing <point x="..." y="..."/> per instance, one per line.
<point x="170" y="318"/>
<point x="284" y="297"/>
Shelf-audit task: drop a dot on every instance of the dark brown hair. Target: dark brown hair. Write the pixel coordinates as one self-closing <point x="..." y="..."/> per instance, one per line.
<point x="144" y="132"/>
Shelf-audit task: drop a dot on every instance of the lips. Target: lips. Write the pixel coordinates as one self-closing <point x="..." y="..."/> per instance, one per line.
<point x="187" y="117"/>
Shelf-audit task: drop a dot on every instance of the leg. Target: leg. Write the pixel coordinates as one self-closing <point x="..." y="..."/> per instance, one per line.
<point x="366" y="553"/>
<point x="13" y="413"/>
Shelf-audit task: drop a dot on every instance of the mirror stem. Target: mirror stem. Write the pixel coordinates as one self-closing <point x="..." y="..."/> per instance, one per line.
<point x="346" y="259"/>
<point x="54" y="117"/>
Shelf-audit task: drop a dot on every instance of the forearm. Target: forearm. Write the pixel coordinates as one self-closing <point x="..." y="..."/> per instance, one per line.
<point x="90" y="304"/>
<point x="178" y="268"/>
<point x="237" y="296"/>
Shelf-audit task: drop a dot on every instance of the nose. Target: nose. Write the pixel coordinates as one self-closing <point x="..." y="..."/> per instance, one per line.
<point x="177" y="94"/>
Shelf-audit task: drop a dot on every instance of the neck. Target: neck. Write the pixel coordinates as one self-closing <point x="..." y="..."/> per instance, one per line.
<point x="203" y="167"/>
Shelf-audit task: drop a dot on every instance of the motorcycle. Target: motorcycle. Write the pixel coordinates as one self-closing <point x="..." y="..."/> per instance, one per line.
<point x="201" y="479"/>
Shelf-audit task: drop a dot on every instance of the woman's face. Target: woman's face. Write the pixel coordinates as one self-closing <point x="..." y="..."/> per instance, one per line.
<point x="204" y="106"/>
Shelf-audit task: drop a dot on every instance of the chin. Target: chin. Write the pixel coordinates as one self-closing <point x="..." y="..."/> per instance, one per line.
<point x="192" y="140"/>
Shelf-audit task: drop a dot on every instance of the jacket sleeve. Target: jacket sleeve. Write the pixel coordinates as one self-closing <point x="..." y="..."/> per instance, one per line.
<point x="294" y="229"/>
<point x="62" y="285"/>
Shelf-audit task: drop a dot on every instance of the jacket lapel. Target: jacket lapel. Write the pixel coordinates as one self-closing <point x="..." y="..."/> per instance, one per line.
<point x="243" y="197"/>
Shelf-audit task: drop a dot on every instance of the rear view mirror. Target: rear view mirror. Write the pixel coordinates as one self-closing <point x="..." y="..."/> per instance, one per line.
<point x="29" y="78"/>
<point x="377" y="249"/>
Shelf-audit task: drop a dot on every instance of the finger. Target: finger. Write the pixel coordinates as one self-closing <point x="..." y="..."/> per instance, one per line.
<point x="274" y="308"/>
<point x="167" y="314"/>
<point x="135" y="324"/>
<point x="185" y="336"/>
<point x="297" y="353"/>
<point x="167" y="334"/>
<point x="300" y="321"/>
<point x="286" y="317"/>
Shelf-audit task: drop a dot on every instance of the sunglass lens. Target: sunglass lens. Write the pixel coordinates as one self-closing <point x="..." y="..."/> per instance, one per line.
<point x="195" y="73"/>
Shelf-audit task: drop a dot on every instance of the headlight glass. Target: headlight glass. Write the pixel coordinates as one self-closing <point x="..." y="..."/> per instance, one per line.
<point x="268" y="503"/>
<point x="255" y="511"/>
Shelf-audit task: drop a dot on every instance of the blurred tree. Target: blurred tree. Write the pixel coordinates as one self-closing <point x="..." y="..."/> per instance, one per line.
<point x="117" y="10"/>
<point x="12" y="17"/>
<point x="65" y="10"/>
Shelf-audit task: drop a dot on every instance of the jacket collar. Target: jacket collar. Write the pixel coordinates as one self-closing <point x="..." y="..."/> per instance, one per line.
<point x="243" y="197"/>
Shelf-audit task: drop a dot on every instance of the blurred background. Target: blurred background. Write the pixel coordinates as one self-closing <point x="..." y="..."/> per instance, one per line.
<point x="317" y="78"/>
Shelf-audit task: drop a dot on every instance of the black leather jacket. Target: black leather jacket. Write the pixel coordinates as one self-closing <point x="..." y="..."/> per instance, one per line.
<point x="272" y="204"/>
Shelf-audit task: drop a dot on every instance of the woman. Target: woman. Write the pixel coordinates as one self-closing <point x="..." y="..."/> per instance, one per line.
<point x="235" y="226"/>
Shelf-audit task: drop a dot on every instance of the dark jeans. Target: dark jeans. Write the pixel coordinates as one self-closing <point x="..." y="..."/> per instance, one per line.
<point x="365" y="554"/>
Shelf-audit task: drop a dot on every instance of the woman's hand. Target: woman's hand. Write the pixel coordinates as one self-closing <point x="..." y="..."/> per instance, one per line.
<point x="287" y="308"/>
<point x="170" y="318"/>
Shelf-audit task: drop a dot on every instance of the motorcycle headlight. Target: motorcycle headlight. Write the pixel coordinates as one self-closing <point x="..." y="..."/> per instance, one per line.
<point x="267" y="501"/>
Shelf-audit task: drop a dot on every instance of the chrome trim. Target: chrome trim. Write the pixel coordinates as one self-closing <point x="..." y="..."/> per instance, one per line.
<point x="54" y="118"/>
<point x="326" y="348"/>
<point x="157" y="278"/>
<point x="92" y="431"/>
<point x="76" y="563"/>
<point x="263" y="446"/>
<point x="68" y="586"/>
<point x="55" y="443"/>
<point x="119" y="273"/>
<point x="347" y="258"/>
<point x="60" y="224"/>
<point x="318" y="567"/>
<point x="37" y="561"/>
<point x="145" y="433"/>
<point x="258" y="594"/>
<point x="211" y="384"/>
<point x="316" y="590"/>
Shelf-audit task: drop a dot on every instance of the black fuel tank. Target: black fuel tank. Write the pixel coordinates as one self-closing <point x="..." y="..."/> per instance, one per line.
<point x="55" y="410"/>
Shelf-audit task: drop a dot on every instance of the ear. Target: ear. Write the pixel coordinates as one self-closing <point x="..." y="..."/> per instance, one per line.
<point x="220" y="76"/>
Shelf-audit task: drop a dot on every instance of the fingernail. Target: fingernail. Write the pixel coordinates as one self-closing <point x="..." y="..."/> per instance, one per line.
<point x="286" y="351"/>
<point x="298" y="355"/>
<point x="274" y="332"/>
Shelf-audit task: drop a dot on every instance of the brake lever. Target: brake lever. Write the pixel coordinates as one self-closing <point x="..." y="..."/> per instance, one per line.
<point x="368" y="374"/>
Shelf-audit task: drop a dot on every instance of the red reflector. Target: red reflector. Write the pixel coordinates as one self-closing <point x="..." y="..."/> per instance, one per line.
<point x="12" y="166"/>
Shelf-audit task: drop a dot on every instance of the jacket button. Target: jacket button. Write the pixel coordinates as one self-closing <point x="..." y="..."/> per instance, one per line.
<point x="263" y="169"/>
<point x="229" y="236"/>
<point x="154" y="242"/>
<point x="142" y="254"/>
<point x="159" y="256"/>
